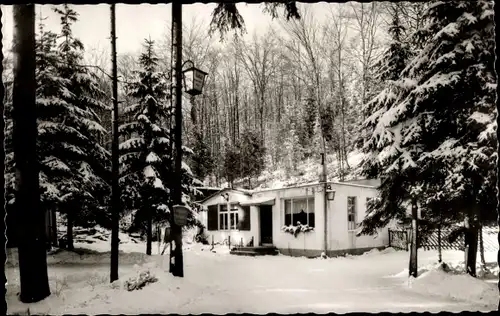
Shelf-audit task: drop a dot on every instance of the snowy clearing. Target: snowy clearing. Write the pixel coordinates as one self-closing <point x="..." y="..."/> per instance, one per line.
<point x="217" y="282"/>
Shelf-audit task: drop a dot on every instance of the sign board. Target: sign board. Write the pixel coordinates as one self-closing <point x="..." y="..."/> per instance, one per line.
<point x="180" y="215"/>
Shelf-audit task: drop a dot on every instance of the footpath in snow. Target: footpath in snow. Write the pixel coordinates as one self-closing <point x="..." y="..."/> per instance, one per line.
<point x="217" y="282"/>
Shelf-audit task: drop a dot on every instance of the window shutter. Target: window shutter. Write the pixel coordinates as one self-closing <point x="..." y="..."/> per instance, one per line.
<point x="244" y="221"/>
<point x="212" y="220"/>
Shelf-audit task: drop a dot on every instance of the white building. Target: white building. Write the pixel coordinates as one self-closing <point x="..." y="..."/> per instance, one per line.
<point x="260" y="216"/>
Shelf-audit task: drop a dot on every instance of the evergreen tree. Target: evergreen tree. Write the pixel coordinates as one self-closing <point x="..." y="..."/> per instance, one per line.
<point x="252" y="153"/>
<point x="440" y="133"/>
<point x="292" y="153"/>
<point x="307" y="124"/>
<point x="84" y="192"/>
<point x="146" y="158"/>
<point x="394" y="189"/>
<point x="232" y="164"/>
<point x="202" y="160"/>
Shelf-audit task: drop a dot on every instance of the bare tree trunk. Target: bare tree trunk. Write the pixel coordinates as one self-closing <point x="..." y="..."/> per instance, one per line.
<point x="413" y="269"/>
<point x="32" y="237"/>
<point x="54" y="227"/>
<point x="481" y="247"/>
<point x="149" y="234"/>
<point x="440" y="254"/>
<point x="69" y="231"/>
<point x="261" y="111"/>
<point x="470" y="242"/>
<point x="115" y="188"/>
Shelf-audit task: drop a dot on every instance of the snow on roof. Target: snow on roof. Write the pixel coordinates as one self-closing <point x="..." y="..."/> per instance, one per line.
<point x="247" y="192"/>
<point x="367" y="182"/>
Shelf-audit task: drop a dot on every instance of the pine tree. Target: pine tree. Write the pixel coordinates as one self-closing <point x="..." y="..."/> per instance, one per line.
<point x="56" y="141"/>
<point x="232" y="164"/>
<point x="393" y="194"/>
<point x="202" y="161"/>
<point x="441" y="131"/>
<point x="84" y="192"/>
<point x="252" y="153"/>
<point x="145" y="158"/>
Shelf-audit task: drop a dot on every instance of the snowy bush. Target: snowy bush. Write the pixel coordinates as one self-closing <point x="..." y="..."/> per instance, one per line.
<point x="295" y="230"/>
<point x="140" y="281"/>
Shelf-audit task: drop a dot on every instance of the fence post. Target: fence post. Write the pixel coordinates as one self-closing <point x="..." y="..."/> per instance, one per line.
<point x="229" y="241"/>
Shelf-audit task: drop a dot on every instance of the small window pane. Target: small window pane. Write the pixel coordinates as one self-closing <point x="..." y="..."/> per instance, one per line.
<point x="288" y="212"/>
<point x="351" y="213"/>
<point x="299" y="212"/>
<point x="232" y="220"/>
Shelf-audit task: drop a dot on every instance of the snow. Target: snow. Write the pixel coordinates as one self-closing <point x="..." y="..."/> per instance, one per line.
<point x="152" y="157"/>
<point x="482" y="118"/>
<point x="307" y="172"/>
<point x="149" y="172"/>
<point x="186" y="168"/>
<point x="217" y="282"/>
<point x="158" y="184"/>
<point x="132" y="143"/>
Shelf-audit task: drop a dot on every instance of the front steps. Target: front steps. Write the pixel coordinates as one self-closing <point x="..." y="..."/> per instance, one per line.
<point x="254" y="251"/>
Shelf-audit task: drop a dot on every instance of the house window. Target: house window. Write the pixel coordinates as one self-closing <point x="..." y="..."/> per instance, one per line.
<point x="228" y="219"/>
<point x="223" y="217"/>
<point x="233" y="217"/>
<point x="244" y="219"/>
<point x="212" y="220"/>
<point x="351" y="213"/>
<point x="299" y="210"/>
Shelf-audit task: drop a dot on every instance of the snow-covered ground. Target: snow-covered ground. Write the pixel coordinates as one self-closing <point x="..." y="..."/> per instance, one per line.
<point x="217" y="282"/>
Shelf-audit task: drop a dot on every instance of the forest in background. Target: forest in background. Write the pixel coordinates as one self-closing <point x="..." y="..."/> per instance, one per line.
<point x="267" y="96"/>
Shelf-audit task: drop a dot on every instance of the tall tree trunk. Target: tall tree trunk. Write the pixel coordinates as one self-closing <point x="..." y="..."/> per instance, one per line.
<point x="54" y="227"/>
<point x="440" y="254"/>
<point x="115" y="188"/>
<point x="149" y="231"/>
<point x="470" y="242"/>
<point x="481" y="247"/>
<point x="69" y="230"/>
<point x="2" y="162"/>
<point x="236" y="103"/>
<point x="32" y="238"/>
<point x="413" y="269"/>
<point x="177" y="257"/>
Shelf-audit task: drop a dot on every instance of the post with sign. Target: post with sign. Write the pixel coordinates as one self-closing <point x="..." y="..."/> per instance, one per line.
<point x="194" y="79"/>
<point x="180" y="215"/>
<point x="176" y="256"/>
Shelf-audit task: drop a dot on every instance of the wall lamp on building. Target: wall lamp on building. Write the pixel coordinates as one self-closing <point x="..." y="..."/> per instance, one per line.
<point x="330" y="193"/>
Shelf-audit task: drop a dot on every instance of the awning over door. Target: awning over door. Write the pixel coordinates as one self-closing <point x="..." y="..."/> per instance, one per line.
<point x="259" y="201"/>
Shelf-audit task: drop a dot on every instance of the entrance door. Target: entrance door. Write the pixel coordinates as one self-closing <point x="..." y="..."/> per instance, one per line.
<point x="266" y="225"/>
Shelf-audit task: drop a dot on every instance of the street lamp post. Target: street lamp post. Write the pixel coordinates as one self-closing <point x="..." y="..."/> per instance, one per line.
<point x="194" y="81"/>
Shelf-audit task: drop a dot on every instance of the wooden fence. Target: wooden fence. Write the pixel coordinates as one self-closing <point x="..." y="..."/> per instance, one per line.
<point x="400" y="238"/>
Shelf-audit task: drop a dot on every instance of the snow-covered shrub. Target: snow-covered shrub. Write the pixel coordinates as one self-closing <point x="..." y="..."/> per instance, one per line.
<point x="295" y="230"/>
<point x="140" y="281"/>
